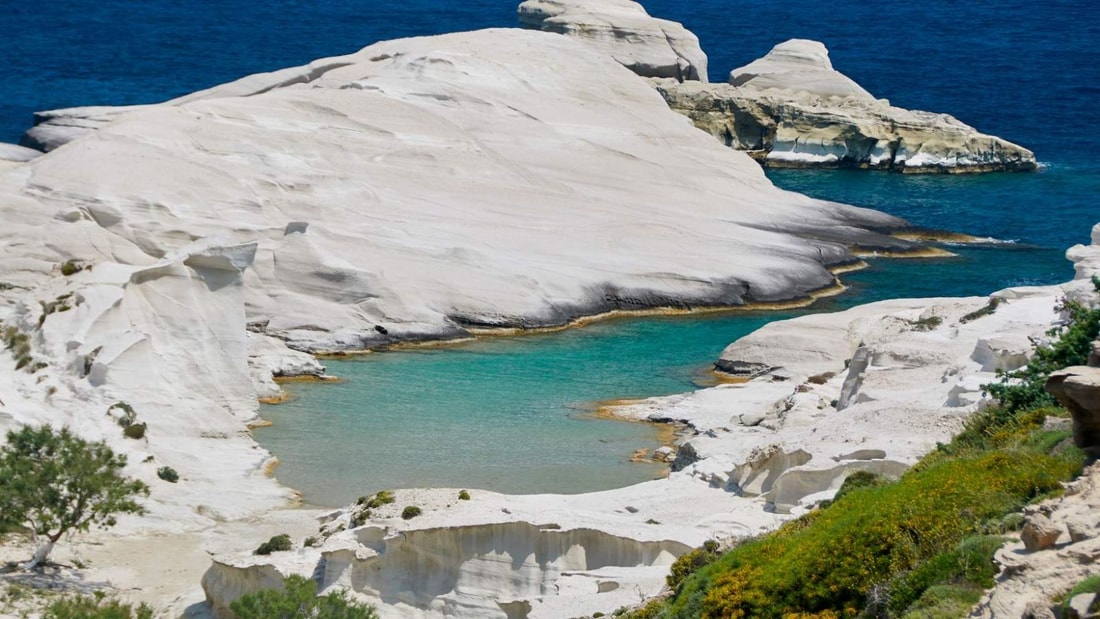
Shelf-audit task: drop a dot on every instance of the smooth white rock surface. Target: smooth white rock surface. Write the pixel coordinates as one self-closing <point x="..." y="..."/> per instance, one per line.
<point x="798" y="65"/>
<point x="623" y="30"/>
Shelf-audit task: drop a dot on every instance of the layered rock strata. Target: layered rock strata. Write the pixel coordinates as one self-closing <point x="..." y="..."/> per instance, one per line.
<point x="623" y="30"/>
<point x="791" y="109"/>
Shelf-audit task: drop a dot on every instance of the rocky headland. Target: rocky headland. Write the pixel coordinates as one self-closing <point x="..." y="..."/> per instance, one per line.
<point x="791" y="109"/>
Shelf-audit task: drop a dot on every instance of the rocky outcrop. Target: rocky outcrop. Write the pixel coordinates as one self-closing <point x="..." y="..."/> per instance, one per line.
<point x="1043" y="565"/>
<point x="459" y="225"/>
<point x="1086" y="258"/>
<point x="623" y="30"/>
<point x="1039" y="533"/>
<point x="791" y="109"/>
<point x="1078" y="390"/>
<point x="12" y="152"/>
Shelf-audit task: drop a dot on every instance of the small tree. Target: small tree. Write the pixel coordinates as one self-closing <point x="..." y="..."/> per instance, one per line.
<point x="55" y="482"/>
<point x="299" y="600"/>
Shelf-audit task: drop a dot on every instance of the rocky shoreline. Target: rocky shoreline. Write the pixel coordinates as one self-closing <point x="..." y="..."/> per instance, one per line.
<point x="791" y="109"/>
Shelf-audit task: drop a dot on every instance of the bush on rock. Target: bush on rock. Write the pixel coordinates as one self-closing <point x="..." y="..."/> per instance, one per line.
<point x="277" y="543"/>
<point x="299" y="600"/>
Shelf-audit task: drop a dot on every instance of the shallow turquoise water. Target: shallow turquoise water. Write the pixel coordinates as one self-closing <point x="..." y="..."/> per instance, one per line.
<point x="501" y="413"/>
<point x="509" y="414"/>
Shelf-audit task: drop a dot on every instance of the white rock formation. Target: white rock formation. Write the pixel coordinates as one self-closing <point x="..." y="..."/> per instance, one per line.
<point x="734" y="478"/>
<point x="422" y="186"/>
<point x="12" y="152"/>
<point x="1033" y="578"/>
<point x="623" y="30"/>
<point x="798" y="65"/>
<point x="1086" y="258"/>
<point x="403" y="192"/>
<point x="793" y="110"/>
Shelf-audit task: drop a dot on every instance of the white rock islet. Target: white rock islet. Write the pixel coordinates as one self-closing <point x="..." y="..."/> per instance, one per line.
<point x="792" y="109"/>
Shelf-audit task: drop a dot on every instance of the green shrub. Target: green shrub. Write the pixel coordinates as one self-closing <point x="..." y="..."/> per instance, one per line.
<point x="1022" y="389"/>
<point x="689" y="563"/>
<point x="410" y="512"/>
<point x="376" y="500"/>
<point x="277" y="543"/>
<point x="928" y="323"/>
<point x="944" y="602"/>
<point x="359" y="518"/>
<point x="310" y="542"/>
<point x="72" y="267"/>
<point x="135" y="431"/>
<point x="168" y="474"/>
<point x="857" y="480"/>
<point x="463" y="495"/>
<point x="832" y="558"/>
<point x="95" y="606"/>
<point x="299" y="600"/>
<point x="989" y="309"/>
<point x="126" y="414"/>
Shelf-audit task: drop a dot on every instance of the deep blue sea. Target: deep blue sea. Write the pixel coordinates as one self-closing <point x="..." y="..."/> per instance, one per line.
<point x="504" y="413"/>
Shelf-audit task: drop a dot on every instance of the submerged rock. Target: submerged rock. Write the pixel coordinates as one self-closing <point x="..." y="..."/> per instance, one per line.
<point x="623" y="30"/>
<point x="791" y="109"/>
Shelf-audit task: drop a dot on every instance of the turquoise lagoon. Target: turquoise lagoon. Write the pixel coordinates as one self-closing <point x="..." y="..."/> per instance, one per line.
<point x="513" y="414"/>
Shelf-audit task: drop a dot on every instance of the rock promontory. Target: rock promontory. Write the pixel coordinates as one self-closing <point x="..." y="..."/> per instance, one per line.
<point x="792" y="109"/>
<point x="623" y="30"/>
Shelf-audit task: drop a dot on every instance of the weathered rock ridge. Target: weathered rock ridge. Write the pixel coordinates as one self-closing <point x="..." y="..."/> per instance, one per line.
<point x="428" y="185"/>
<point x="623" y="30"/>
<point x="791" y="109"/>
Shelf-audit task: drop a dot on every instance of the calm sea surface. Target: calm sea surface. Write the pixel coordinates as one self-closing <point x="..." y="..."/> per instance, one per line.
<point x="510" y="414"/>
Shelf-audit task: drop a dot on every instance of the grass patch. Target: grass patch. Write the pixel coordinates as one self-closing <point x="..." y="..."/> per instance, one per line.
<point x="988" y="310"/>
<point x="928" y="323"/>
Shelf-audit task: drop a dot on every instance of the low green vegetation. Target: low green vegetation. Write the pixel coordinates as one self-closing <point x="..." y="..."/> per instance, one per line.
<point x="73" y="266"/>
<point x="53" y="482"/>
<point x="277" y="543"/>
<point x="365" y="505"/>
<point x="168" y="474"/>
<point x="95" y="606"/>
<point x="1023" y="389"/>
<point x="988" y="310"/>
<point x="1088" y="585"/>
<point x="463" y="495"/>
<point x="376" y="500"/>
<point x="62" y="303"/>
<point x="927" y="323"/>
<point x="299" y="600"/>
<point x="19" y="344"/>
<point x="410" y="512"/>
<point x="918" y="547"/>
